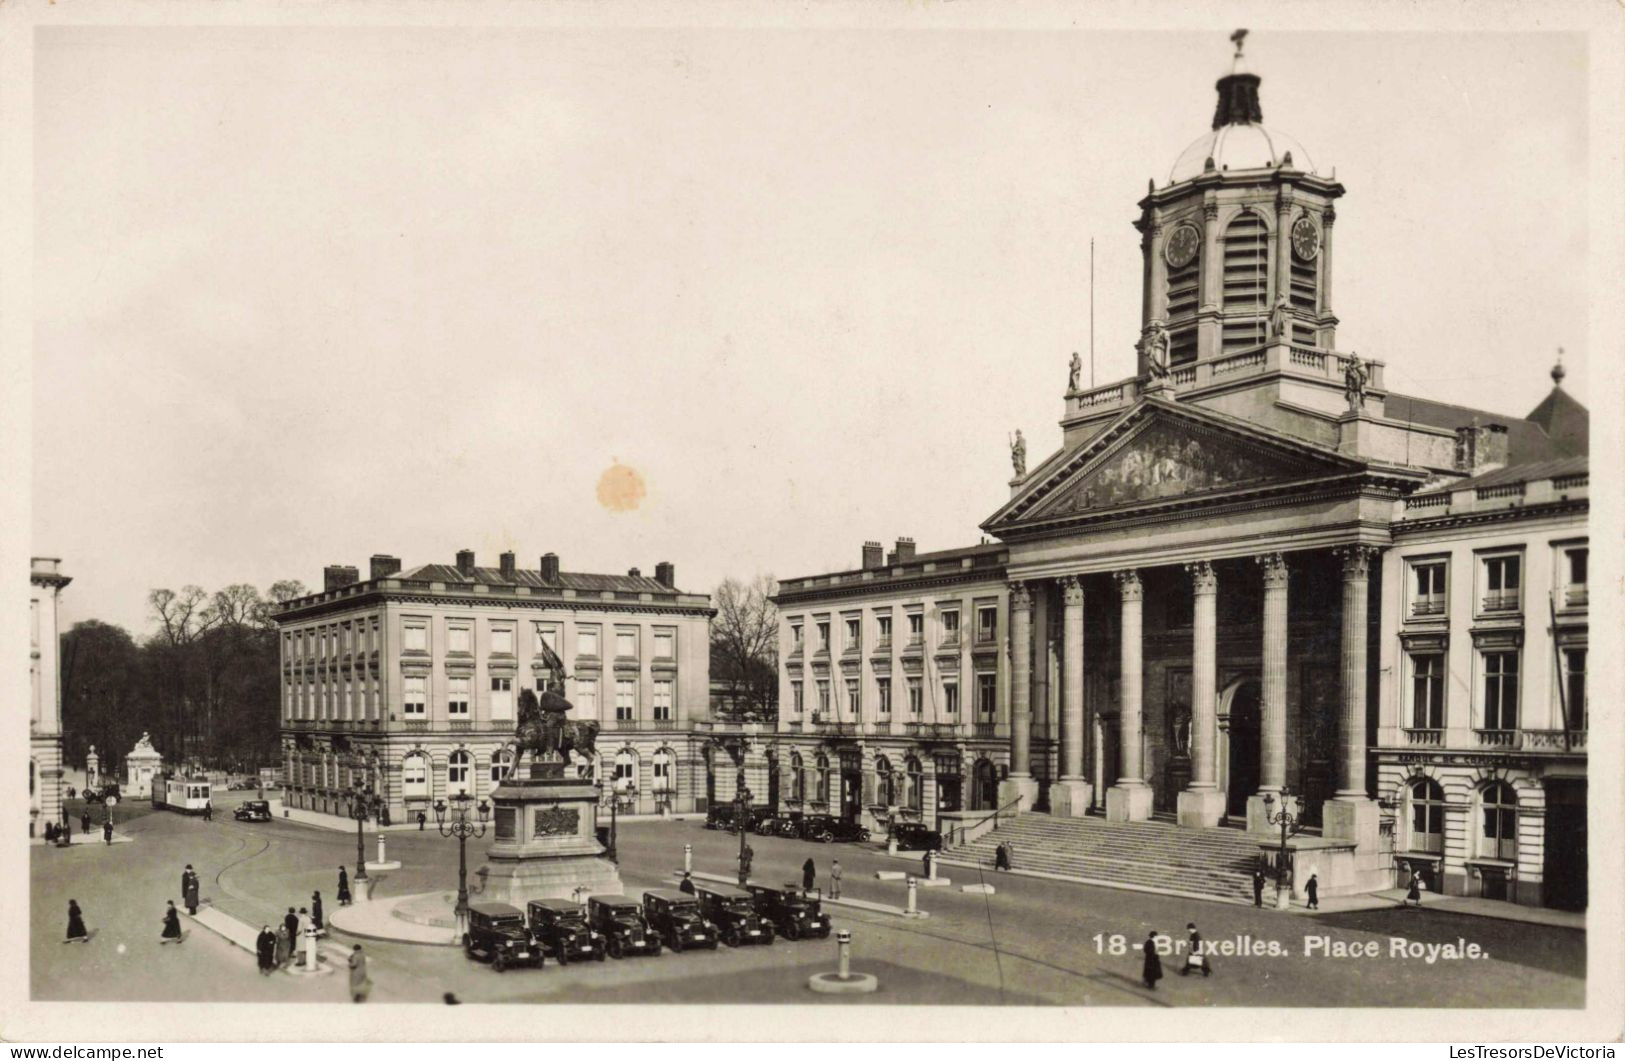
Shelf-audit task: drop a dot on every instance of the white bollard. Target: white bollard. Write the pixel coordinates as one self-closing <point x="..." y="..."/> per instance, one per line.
<point x="688" y="858"/>
<point x="310" y="947"/>
<point x="913" y="887"/>
<point x="843" y="940"/>
<point x="381" y="856"/>
<point x="932" y="863"/>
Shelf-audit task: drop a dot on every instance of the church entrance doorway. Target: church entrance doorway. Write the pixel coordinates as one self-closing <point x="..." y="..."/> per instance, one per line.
<point x="1240" y="704"/>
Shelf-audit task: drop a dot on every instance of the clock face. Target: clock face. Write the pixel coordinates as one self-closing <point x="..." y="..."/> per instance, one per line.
<point x="1305" y="239"/>
<point x="1182" y="244"/>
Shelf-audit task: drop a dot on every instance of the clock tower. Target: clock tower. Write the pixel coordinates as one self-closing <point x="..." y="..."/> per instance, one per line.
<point x="1237" y="245"/>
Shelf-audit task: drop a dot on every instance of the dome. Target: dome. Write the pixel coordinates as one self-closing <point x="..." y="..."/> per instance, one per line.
<point x="1238" y="146"/>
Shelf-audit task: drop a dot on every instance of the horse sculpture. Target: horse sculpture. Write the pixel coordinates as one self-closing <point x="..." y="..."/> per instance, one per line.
<point x="544" y="731"/>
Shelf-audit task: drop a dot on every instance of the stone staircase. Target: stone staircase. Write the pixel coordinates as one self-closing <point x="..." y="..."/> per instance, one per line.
<point x="1156" y="855"/>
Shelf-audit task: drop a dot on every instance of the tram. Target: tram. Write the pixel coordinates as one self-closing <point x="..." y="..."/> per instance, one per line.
<point x="180" y="794"/>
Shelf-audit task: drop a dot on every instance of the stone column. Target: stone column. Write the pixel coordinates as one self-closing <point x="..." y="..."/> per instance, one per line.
<point x="1069" y="796"/>
<point x="1283" y="246"/>
<point x="1272" y="706"/>
<point x="1209" y="338"/>
<point x="1020" y="782"/>
<point x="1350" y="815"/>
<point x="1202" y="804"/>
<point x="1130" y="798"/>
<point x="1328" y="336"/>
<point x="1097" y="773"/>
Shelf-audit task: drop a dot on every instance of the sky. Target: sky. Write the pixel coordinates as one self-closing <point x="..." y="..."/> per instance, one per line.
<point x="303" y="295"/>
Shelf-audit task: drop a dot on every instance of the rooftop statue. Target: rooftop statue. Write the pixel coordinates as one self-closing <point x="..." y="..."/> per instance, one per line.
<point x="1074" y="373"/>
<point x="1354" y="381"/>
<point x="1281" y="319"/>
<point x="1018" y="454"/>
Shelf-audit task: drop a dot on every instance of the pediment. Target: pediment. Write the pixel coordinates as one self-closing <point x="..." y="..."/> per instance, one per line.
<point x="1155" y="454"/>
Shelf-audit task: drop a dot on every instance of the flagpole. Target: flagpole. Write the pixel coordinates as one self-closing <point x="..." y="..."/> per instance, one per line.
<point x="1091" y="313"/>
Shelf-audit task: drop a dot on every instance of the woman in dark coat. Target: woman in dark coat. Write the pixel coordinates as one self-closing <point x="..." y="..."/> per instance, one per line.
<point x="1001" y="857"/>
<point x="1414" y="895"/>
<point x="84" y="822"/>
<point x="344" y="887"/>
<point x="1152" y="972"/>
<point x="76" y="923"/>
<point x="316" y="911"/>
<point x="172" y="924"/>
<point x="265" y="946"/>
<point x="809" y="874"/>
<point x="284" y="946"/>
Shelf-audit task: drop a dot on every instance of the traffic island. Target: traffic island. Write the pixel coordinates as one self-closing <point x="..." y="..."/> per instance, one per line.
<point x="429" y="918"/>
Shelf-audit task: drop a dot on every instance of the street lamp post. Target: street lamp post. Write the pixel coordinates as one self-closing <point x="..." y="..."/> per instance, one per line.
<point x="1290" y="819"/>
<point x="742" y="822"/>
<point x="361" y="802"/>
<point x="457" y="824"/>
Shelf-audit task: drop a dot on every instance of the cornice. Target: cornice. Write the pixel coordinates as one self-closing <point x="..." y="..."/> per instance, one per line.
<point x="993" y="575"/>
<point x="375" y="598"/>
<point x="1410" y="527"/>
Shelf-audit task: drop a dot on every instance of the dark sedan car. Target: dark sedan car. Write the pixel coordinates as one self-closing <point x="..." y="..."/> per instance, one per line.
<point x="497" y="934"/>
<point x="620" y="921"/>
<point x="913" y="836"/>
<point x="733" y="911"/>
<point x="794" y="912"/>
<point x="560" y="929"/>
<point x="677" y="917"/>
<point x="253" y="810"/>
<point x="828" y="828"/>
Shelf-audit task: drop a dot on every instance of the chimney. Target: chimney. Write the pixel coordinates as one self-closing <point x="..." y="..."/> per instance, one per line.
<point x="633" y="572"/>
<point x="873" y="556"/>
<point x="507" y="564"/>
<point x="550" y="567"/>
<point x="384" y="565"/>
<point x="337" y="576"/>
<point x="666" y="574"/>
<point x="1481" y="448"/>
<point x="905" y="550"/>
<point x="465" y="562"/>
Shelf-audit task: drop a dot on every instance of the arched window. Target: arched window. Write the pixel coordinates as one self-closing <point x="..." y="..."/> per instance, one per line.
<point x="457" y="773"/>
<point x="914" y="790"/>
<point x="822" y="763"/>
<point x="665" y="781"/>
<point x="798" y="778"/>
<point x="415" y="776"/>
<point x="1246" y="280"/>
<point x="885" y="782"/>
<point x="501" y="764"/>
<point x="1427" y="815"/>
<point x="626" y="770"/>
<point x="1498" y="837"/>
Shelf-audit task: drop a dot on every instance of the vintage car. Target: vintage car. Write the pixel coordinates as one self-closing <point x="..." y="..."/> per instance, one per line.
<point x="777" y="824"/>
<point x="621" y="922"/>
<point x="560" y="928"/>
<point x="733" y="911"/>
<point x="679" y="920"/>
<point x="828" y="828"/>
<point x="913" y="836"/>
<point x="497" y="934"/>
<point x="795" y="913"/>
<point x="720" y="816"/>
<point x="253" y="810"/>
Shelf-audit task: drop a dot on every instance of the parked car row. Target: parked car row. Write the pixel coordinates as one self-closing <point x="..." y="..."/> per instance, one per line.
<point x="792" y="825"/>
<point x="618" y="927"/>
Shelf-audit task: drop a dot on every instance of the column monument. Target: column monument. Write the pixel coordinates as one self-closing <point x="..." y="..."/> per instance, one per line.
<point x="1202" y="804"/>
<point x="1130" y="799"/>
<point x="1020" y="782"/>
<point x="1272" y="705"/>
<point x="1069" y="796"/>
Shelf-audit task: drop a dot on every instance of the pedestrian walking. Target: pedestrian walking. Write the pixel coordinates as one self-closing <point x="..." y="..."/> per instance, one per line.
<point x="809" y="875"/>
<point x="1001" y="857"/>
<point x="835" y="880"/>
<point x="189" y="889"/>
<point x="284" y="946"/>
<point x="84" y="822"/>
<point x="344" y="887"/>
<point x="107" y="831"/>
<point x="1258" y="887"/>
<point x="265" y="948"/>
<point x="291" y="924"/>
<point x="360" y="983"/>
<point x="930" y="857"/>
<point x="1151" y="971"/>
<point x="76" y="924"/>
<point x="750" y="857"/>
<point x="1195" y="957"/>
<point x="1414" y="894"/>
<point x="687" y="886"/>
<point x="422" y="818"/>
<point x="50" y="832"/>
<point x="208" y="810"/>
<point x="172" y="925"/>
<point x="1312" y="889"/>
<point x="316" y="913"/>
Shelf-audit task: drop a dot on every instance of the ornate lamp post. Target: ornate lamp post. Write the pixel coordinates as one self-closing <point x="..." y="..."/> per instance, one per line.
<point x="362" y="801"/>
<point x="457" y="824"/>
<point x="1290" y="819"/>
<point x="742" y="821"/>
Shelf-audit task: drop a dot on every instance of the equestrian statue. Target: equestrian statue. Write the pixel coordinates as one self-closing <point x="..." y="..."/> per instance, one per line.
<point x="544" y="731"/>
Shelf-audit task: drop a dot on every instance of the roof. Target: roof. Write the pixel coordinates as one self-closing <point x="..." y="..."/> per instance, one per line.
<point x="1527" y="440"/>
<point x="492" y="576"/>
<point x="1516" y="473"/>
<point x="1566" y="422"/>
<point x="1240" y="147"/>
<point x="916" y="561"/>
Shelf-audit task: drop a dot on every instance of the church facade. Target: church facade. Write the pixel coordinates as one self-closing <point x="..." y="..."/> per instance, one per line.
<point x="1196" y="605"/>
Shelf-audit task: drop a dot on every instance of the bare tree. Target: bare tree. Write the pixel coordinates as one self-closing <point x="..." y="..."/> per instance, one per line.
<point x="745" y="649"/>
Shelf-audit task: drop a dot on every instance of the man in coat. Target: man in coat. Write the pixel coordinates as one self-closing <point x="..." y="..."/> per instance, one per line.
<point x="809" y="875"/>
<point x="1151" y="971"/>
<point x="189" y="889"/>
<point x="835" y="880"/>
<point x="360" y="982"/>
<point x="172" y="925"/>
<point x="1258" y="887"/>
<point x="291" y="923"/>
<point x="1001" y="857"/>
<point x="344" y="887"/>
<point x="84" y="822"/>
<point x="316" y="913"/>
<point x="1312" y="889"/>
<point x="1195" y="956"/>
<point x="107" y="831"/>
<point x="687" y="886"/>
<point x="265" y="948"/>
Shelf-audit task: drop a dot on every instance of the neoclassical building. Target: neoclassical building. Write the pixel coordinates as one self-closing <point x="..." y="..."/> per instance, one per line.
<point x="409" y="680"/>
<point x="45" y="583"/>
<point x="1194" y="605"/>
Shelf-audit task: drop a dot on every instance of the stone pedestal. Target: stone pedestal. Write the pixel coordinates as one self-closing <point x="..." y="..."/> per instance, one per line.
<point x="1258" y="816"/>
<point x="1129" y="803"/>
<point x="1358" y="820"/>
<point x="1017" y="785"/>
<point x="1070" y="797"/>
<point x="546" y="844"/>
<point x="1201" y="808"/>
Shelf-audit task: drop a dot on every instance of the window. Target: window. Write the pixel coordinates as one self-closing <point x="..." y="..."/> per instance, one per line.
<point x="1575" y="563"/>
<point x="665" y="644"/>
<point x="457" y="773"/>
<point x="660" y="769"/>
<point x="415" y="777"/>
<point x="915" y="787"/>
<point x="854" y="638"/>
<point x="414" y="698"/>
<point x="823" y="635"/>
<point x="883" y="628"/>
<point x="587" y="641"/>
<point x="950" y="698"/>
<point x="1499" y="836"/>
<point x="823" y="698"/>
<point x="852" y="696"/>
<point x="987" y="697"/>
<point x="502" y="639"/>
<point x="950" y="627"/>
<point x="822" y="779"/>
<point x="501" y="765"/>
<point x="915" y="697"/>
<point x="798" y="778"/>
<point x="1246" y="281"/>
<point x="663" y="698"/>
<point x="916" y="626"/>
<point x="459" y="638"/>
<point x="1427" y="691"/>
<point x="416" y="636"/>
<point x="797" y="695"/>
<point x="626" y="698"/>
<point x="587" y="697"/>
<point x="795" y="637"/>
<point x="1427" y="588"/>
<point x="1500" y="690"/>
<point x="457" y="697"/>
<point x="1427" y="816"/>
<point x="1574" y="687"/>
<point x="626" y="770"/>
<point x="883" y="697"/>
<point x="987" y="624"/>
<point x="501" y="699"/>
<point x="1501" y="582"/>
<point x="626" y="644"/>
<point x="885" y="782"/>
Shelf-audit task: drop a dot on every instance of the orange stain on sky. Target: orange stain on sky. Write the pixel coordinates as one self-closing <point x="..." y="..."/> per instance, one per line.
<point x="621" y="488"/>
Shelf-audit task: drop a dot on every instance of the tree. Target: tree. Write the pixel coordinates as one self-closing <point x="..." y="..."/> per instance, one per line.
<point x="745" y="650"/>
<point x="102" y="701"/>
